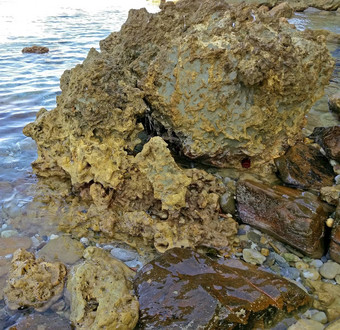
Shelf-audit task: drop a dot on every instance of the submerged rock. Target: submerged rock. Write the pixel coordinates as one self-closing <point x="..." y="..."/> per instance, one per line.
<point x="290" y="215"/>
<point x="33" y="282"/>
<point x="63" y="249"/>
<point x="36" y="49"/>
<point x="101" y="293"/>
<point x="305" y="167"/>
<point x="184" y="289"/>
<point x="10" y="244"/>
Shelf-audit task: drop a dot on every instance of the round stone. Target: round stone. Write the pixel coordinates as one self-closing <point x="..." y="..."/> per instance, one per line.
<point x="316" y="263"/>
<point x="311" y="274"/>
<point x="320" y="317"/>
<point x="330" y="269"/>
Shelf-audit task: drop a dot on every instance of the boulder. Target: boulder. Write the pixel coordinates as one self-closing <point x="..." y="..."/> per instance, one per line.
<point x="290" y="215"/>
<point x="36" y="49"/>
<point x="305" y="167"/>
<point x="33" y="282"/>
<point x="329" y="140"/>
<point x="101" y="293"/>
<point x="183" y="289"/>
<point x="224" y="84"/>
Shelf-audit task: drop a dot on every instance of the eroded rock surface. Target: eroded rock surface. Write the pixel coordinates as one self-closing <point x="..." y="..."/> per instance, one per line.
<point x="292" y="216"/>
<point x="223" y="84"/>
<point x="36" y="49"/>
<point x="101" y="293"/>
<point x="183" y="289"/>
<point x="305" y="167"/>
<point x="33" y="282"/>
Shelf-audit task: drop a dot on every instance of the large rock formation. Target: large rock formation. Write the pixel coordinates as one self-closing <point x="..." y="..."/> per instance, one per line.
<point x="219" y="83"/>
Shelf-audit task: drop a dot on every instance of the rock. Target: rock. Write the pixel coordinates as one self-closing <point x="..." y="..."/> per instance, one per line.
<point x="329" y="139"/>
<point x="337" y="279"/>
<point x="330" y="194"/>
<point x="63" y="249"/>
<point x="227" y="202"/>
<point x="303" y="324"/>
<point x="233" y="293"/>
<point x="290" y="257"/>
<point x="316" y="263"/>
<point x="290" y="272"/>
<point x="334" y="247"/>
<point x="311" y="274"/>
<point x="9" y="244"/>
<point x="101" y="293"/>
<point x="334" y="103"/>
<point x="9" y="233"/>
<point x="123" y="254"/>
<point x="265" y="252"/>
<point x="33" y="282"/>
<point x="253" y="257"/>
<point x="203" y="85"/>
<point x="330" y="269"/>
<point x="327" y="298"/>
<point x="304" y="166"/>
<point x="50" y="321"/>
<point x="320" y="317"/>
<point x="36" y="49"/>
<point x="290" y="215"/>
<point x="334" y="325"/>
<point x="282" y="10"/>
<point x="301" y="265"/>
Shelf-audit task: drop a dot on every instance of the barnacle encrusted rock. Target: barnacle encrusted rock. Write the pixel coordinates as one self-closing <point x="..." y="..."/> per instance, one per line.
<point x="101" y="293"/>
<point x="33" y="282"/>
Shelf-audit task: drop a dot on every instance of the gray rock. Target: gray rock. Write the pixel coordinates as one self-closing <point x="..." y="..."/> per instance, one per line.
<point x="280" y="260"/>
<point x="123" y="254"/>
<point x="330" y="269"/>
<point x="320" y="317"/>
<point x="316" y="263"/>
<point x="227" y="202"/>
<point x="290" y="272"/>
<point x="253" y="257"/>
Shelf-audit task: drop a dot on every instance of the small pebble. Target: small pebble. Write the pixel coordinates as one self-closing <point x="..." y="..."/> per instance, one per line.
<point x="324" y="259"/>
<point x="123" y="255"/>
<point x="320" y="317"/>
<point x="280" y="260"/>
<point x="301" y="265"/>
<point x="290" y="257"/>
<point x="256" y="238"/>
<point x="329" y="222"/>
<point x="311" y="274"/>
<point x="337" y="179"/>
<point x="263" y="240"/>
<point x="330" y="269"/>
<point x="85" y="241"/>
<point x="4" y="226"/>
<point x="290" y="272"/>
<point x="265" y="252"/>
<point x="108" y="247"/>
<point x="253" y="257"/>
<point x="317" y="263"/>
<point x="9" y="233"/>
<point x="53" y="236"/>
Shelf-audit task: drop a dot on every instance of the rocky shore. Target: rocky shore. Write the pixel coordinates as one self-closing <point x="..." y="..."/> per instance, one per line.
<point x="152" y="234"/>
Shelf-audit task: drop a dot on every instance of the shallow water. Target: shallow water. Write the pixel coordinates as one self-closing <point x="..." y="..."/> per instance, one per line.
<point x="29" y="82"/>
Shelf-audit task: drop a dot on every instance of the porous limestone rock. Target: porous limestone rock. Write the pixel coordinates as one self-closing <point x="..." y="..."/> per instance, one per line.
<point x="221" y="82"/>
<point x="101" y="293"/>
<point x="33" y="282"/>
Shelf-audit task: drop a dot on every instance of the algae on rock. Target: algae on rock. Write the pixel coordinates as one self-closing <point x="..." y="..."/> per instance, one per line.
<point x="101" y="293"/>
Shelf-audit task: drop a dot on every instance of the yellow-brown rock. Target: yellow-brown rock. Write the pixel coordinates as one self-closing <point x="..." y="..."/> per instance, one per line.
<point x="102" y="294"/>
<point x="33" y="282"/>
<point x="169" y="182"/>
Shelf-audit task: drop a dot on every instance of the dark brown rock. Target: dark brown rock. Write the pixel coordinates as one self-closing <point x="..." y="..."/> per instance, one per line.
<point x="334" y="247"/>
<point x="334" y="103"/>
<point x="329" y="140"/>
<point x="292" y="216"/>
<point x="183" y="289"/>
<point x="305" y="167"/>
<point x="35" y="49"/>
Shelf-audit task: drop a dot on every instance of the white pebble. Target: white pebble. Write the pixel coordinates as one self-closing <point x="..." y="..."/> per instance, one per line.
<point x="85" y="241"/>
<point x="54" y="236"/>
